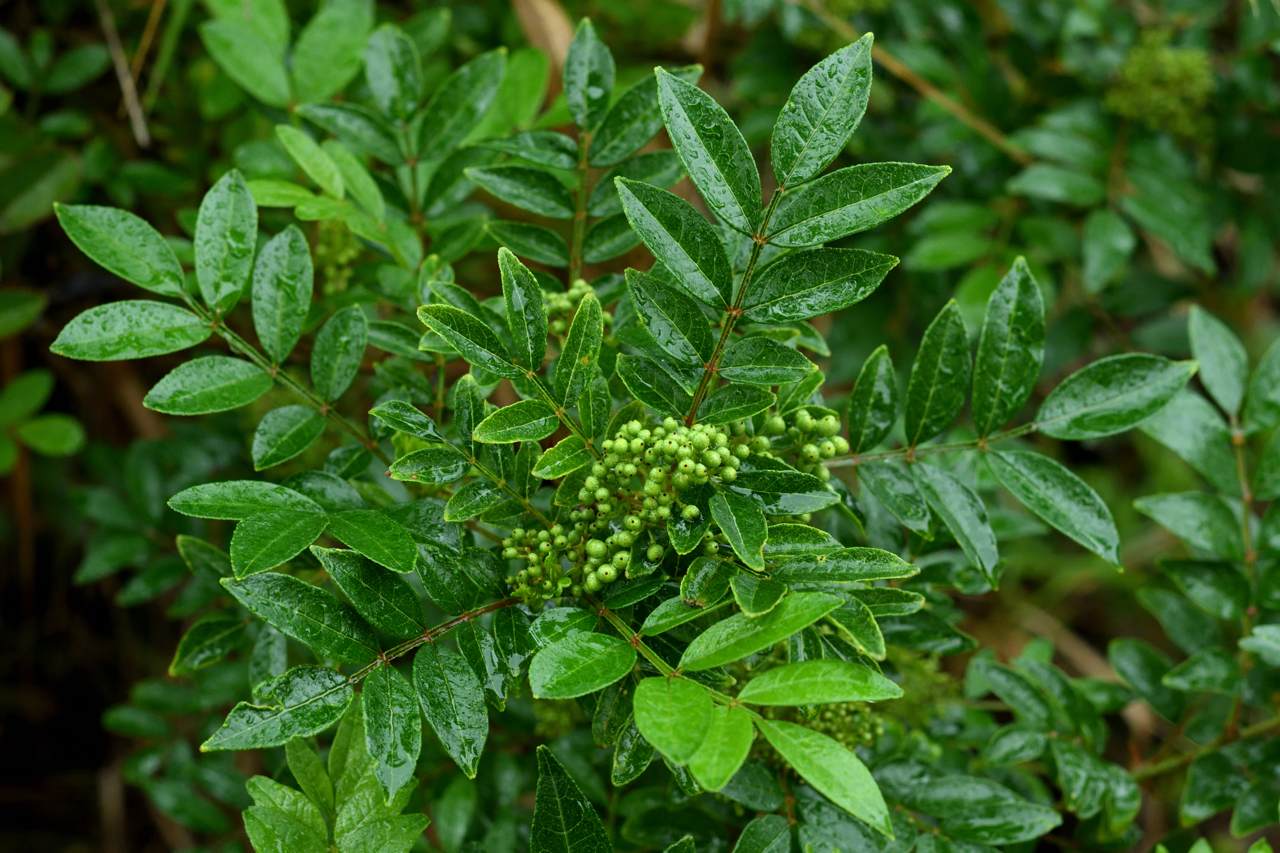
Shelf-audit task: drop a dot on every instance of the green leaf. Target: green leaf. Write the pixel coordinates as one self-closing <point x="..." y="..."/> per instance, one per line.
<point x="123" y="244"/>
<point x="387" y="602"/>
<point x="338" y="351"/>
<point x="832" y="769"/>
<point x="1219" y="588"/>
<point x="310" y="773"/>
<point x="359" y="127"/>
<point x="528" y="189"/>
<point x="651" y="385"/>
<point x="136" y="328"/>
<point x="816" y="682"/>
<point x="453" y="704"/>
<point x="214" y="383"/>
<point x="581" y="351"/>
<point x="530" y="241"/>
<point x="738" y="636"/>
<point x="1208" y="670"/>
<point x="873" y="403"/>
<point x="251" y="60"/>
<point x="768" y="833"/>
<point x="312" y="159"/>
<point x="672" y="714"/>
<point x="302" y="702"/>
<point x="679" y="237"/>
<point x="713" y="151"/>
<point x="845" y="565"/>
<point x="939" y="376"/>
<point x="1202" y="520"/>
<point x="376" y="535"/>
<point x="850" y="200"/>
<point x="18" y="310"/>
<point x="1059" y="497"/>
<point x="674" y="321"/>
<point x="755" y="595"/>
<point x="392" y="728"/>
<point x="1143" y="667"/>
<point x="471" y="337"/>
<point x="328" y="53"/>
<point x="282" y="283"/>
<point x="225" y="238"/>
<point x="1262" y="404"/>
<point x="588" y="77"/>
<point x="742" y="522"/>
<point x="438" y="465"/>
<point x="1266" y="476"/>
<point x="527" y="420"/>
<point x="51" y="434"/>
<point x="732" y="403"/>
<point x="782" y="490"/>
<point x="1111" y="395"/>
<point x="283" y="433"/>
<point x="209" y="640"/>
<point x="474" y="498"/>
<point x="1056" y="183"/>
<point x="393" y="71"/>
<point x="564" y="820"/>
<point x="1010" y="349"/>
<point x="408" y="419"/>
<point x="1196" y="431"/>
<point x="632" y="120"/>
<point x="725" y="745"/>
<point x="963" y="513"/>
<point x="757" y="360"/>
<point x="1264" y="642"/>
<point x="25" y="396"/>
<point x="891" y="483"/>
<point x="238" y="499"/>
<point x="579" y="664"/>
<point x="567" y="456"/>
<point x="1108" y="242"/>
<point x="808" y="284"/>
<point x="267" y="539"/>
<point x="821" y="113"/>
<point x="307" y="613"/>
<point x="1224" y="364"/>
<point x="526" y="318"/>
<point x="460" y="103"/>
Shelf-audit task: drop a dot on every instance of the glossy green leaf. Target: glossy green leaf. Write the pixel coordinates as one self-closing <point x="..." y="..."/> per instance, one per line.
<point x="963" y="513"/>
<point x="588" y="77"/>
<point x="438" y="465"/>
<point x="891" y="483"/>
<point x="832" y="769"/>
<point x="526" y="318"/>
<point x="732" y="403"/>
<point x="393" y="71"/>
<point x="873" y="403"/>
<point x="283" y="433"/>
<point x="269" y="538"/>
<point x="1111" y="395"/>
<point x="209" y="640"/>
<point x="1208" y="670"/>
<point x="1010" y="349"/>
<point x="768" y="833"/>
<point x="472" y="499"/>
<point x="408" y="419"/>
<point x="452" y="702"/>
<point x="339" y="348"/>
<point x="757" y="360"/>
<point x="579" y="664"/>
<point x="1058" y="496"/>
<point x="302" y="702"/>
<point x="471" y="337"/>
<point x="282" y="283"/>
<point x="845" y="565"/>
<point x="225" y="239"/>
<point x="678" y="236"/>
<point x="725" y="745"/>
<point x="307" y="613"/>
<point x="1217" y="587"/>
<point x="312" y="159"/>
<point x="738" y="636"/>
<point x="1202" y="520"/>
<point x="531" y="241"/>
<point x="939" y="376"/>
<point x="567" y="456"/>
<point x="123" y="244"/>
<point x="376" y="535"/>
<point x="850" y="200"/>
<point x="742" y="522"/>
<point x="581" y="351"/>
<point x="384" y="600"/>
<point x="564" y="821"/>
<point x="392" y="727"/>
<point x="651" y="385"/>
<point x="528" y="189"/>
<point x="214" y="383"/>
<point x="459" y="104"/>
<point x="1224" y="364"/>
<point x="672" y="714"/>
<point x="808" y="284"/>
<point x="816" y="682"/>
<point x="1197" y="432"/>
<point x="713" y="151"/>
<point x="238" y="499"/>
<point x="782" y="490"/>
<point x="755" y="595"/>
<point x="633" y="119"/>
<point x="137" y="328"/>
<point x="527" y="420"/>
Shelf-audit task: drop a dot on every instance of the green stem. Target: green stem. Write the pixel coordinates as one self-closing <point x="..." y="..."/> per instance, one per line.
<point x="734" y="311"/>
<point x="569" y="422"/>
<point x="501" y="483"/>
<point x="430" y="635"/>
<point x="913" y="453"/>
<point x="580" y="208"/>
<point x="1169" y="764"/>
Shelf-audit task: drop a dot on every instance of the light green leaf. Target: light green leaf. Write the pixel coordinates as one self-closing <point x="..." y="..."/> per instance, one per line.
<point x="282" y="283"/>
<point x="1224" y="364"/>
<point x="328" y="52"/>
<point x="1010" y="349"/>
<point x="137" y="328"/>
<point x="312" y="159"/>
<point x="742" y="522"/>
<point x="725" y="745"/>
<point x="816" y="682"/>
<point x="251" y="60"/>
<point x="266" y="539"/>
<point x="564" y="821"/>
<point x="713" y="151"/>
<point x="738" y="636"/>
<point x="1111" y="395"/>
<point x="672" y="714"/>
<point x="579" y="664"/>
<point x="844" y="565"/>
<point x="452" y="702"/>
<point x="302" y="702"/>
<point x="225" y="239"/>
<point x="238" y="499"/>
<point x="310" y="773"/>
<point x="850" y="200"/>
<point x="460" y="103"/>
<point x="51" y="434"/>
<point x="939" y="376"/>
<point x="526" y="318"/>
<point x="214" y="383"/>
<point x="1108" y="242"/>
<point x="821" y="113"/>
<point x="123" y="244"/>
<point x="393" y="70"/>
<point x="376" y="535"/>
<point x="1059" y="497"/>
<point x="588" y="77"/>
<point x="283" y="433"/>
<point x="387" y="602"/>
<point x="808" y="284"/>
<point x="680" y="238"/>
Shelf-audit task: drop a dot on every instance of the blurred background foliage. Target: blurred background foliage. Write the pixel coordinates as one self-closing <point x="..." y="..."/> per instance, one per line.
<point x="1130" y="150"/>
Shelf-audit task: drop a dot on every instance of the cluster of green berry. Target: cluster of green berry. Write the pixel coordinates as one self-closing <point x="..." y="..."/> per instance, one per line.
<point x="618" y="525"/>
<point x="561" y="305"/>
<point x="811" y="440"/>
<point x="336" y="251"/>
<point x="1164" y="87"/>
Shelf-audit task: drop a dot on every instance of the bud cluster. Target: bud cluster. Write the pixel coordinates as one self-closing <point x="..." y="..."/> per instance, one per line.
<point x="810" y="440"/>
<point x="1164" y="87"/>
<point x="561" y="305"/>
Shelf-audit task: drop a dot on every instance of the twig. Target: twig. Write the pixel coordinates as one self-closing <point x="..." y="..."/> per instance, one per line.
<point x="137" y="121"/>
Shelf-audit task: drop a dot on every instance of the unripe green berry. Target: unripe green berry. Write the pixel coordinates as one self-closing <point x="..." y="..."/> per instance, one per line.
<point x="690" y="512"/>
<point x="596" y="548"/>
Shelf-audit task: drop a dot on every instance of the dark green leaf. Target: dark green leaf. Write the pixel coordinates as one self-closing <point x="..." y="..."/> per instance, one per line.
<point x="386" y="601"/>
<point x="579" y="664"/>
<point x="891" y="483"/>
<point x="137" y="328"/>
<point x="742" y="522"/>
<point x="471" y="337"/>
<point x="808" y="284"/>
<point x="393" y="71"/>
<point x="1224" y="364"/>
<point x="307" y="613"/>
<point x="438" y="465"/>
<point x="526" y="318"/>
<point x="1010" y="349"/>
<point x="282" y="282"/>
<point x="453" y="703"/>
<point x="873" y="403"/>
<point x="845" y="565"/>
<point x="207" y="642"/>
<point x="531" y="241"/>
<point x="564" y="820"/>
<point x="1262" y="403"/>
<point x="1059" y="497"/>
<point x="302" y="702"/>
<point x="123" y="244"/>
<point x="215" y="383"/>
<point x="392" y="727"/>
<point x="633" y="120"/>
<point x="1112" y="395"/>
<point x="939" y="376"/>
<point x="588" y="77"/>
<point x="225" y="239"/>
<point x="266" y="539"/>
<point x="782" y="490"/>
<point x="1202" y="520"/>
<point x="376" y="535"/>
<point x="758" y="360"/>
<point x="238" y="499"/>
<point x="460" y="103"/>
<point x="651" y="385"/>
<point x="680" y="238"/>
<point x="673" y="320"/>
<point x="567" y="456"/>
<point x="963" y="513"/>
<point x="528" y="189"/>
<point x="581" y="350"/>
<point x="283" y="433"/>
<point x="732" y="403"/>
